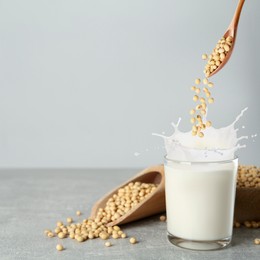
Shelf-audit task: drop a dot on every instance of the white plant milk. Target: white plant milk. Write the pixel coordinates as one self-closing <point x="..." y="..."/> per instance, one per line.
<point x="200" y="178"/>
<point x="200" y="200"/>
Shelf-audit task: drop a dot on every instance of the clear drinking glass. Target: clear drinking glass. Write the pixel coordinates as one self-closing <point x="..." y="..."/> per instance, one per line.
<point x="200" y="199"/>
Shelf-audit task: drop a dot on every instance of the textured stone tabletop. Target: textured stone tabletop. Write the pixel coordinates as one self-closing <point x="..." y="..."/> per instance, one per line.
<point x="33" y="200"/>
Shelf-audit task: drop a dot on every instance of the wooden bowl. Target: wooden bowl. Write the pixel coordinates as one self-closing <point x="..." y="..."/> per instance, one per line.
<point x="247" y="204"/>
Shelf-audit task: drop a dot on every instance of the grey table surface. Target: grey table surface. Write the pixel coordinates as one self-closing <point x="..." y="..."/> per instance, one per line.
<point x="33" y="200"/>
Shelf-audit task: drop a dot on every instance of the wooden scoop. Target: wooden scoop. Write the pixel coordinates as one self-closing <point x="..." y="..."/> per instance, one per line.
<point x="231" y="31"/>
<point x="151" y="205"/>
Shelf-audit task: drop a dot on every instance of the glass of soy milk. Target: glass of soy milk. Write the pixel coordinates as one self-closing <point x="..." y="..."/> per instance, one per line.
<point x="200" y="203"/>
<point x="200" y="186"/>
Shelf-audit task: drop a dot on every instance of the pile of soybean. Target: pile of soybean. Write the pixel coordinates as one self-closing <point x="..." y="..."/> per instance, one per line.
<point x="119" y="204"/>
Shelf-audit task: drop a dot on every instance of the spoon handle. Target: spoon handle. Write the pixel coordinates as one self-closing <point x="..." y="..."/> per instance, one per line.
<point x="234" y="23"/>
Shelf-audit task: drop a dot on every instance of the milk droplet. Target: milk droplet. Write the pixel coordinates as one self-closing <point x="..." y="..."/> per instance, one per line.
<point x="136" y="154"/>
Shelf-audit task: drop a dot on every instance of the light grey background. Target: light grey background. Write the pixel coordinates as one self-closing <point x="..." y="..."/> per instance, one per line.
<point x="85" y="83"/>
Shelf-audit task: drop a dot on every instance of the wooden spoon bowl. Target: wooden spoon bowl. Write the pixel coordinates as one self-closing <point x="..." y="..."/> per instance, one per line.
<point x="151" y="205"/>
<point x="231" y="31"/>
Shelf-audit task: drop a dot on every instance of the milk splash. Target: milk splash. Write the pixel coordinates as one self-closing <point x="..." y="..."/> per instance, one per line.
<point x="216" y="145"/>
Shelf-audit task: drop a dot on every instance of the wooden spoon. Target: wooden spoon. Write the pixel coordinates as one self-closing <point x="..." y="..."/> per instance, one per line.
<point x="151" y="205"/>
<point x="231" y="31"/>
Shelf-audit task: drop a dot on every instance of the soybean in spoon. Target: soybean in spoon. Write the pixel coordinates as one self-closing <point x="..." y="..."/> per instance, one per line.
<point x="225" y="46"/>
